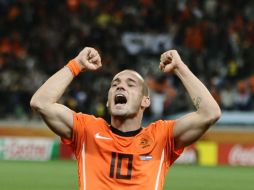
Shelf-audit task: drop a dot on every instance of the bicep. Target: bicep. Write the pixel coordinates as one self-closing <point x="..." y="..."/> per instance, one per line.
<point x="59" y="119"/>
<point x="189" y="129"/>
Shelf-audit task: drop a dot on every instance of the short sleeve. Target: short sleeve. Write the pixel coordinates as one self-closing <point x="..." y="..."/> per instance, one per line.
<point x="173" y="153"/>
<point x="78" y="134"/>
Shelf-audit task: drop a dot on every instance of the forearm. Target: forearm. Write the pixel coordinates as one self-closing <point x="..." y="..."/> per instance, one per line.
<point x="58" y="117"/>
<point x="200" y="96"/>
<point x="52" y="90"/>
<point x="192" y="126"/>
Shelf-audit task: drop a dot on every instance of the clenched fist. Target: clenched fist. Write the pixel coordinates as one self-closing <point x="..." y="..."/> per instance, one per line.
<point x="89" y="59"/>
<point x="170" y="61"/>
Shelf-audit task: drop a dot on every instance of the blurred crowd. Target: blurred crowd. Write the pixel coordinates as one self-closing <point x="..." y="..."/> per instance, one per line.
<point x="215" y="38"/>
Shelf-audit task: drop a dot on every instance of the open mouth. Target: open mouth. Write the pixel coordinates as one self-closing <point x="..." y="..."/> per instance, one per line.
<point x="120" y="99"/>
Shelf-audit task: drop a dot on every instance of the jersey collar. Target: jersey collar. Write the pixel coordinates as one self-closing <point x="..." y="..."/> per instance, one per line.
<point x="125" y="134"/>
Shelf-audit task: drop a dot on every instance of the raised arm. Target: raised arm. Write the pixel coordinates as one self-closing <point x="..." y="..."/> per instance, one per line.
<point x="58" y="117"/>
<point x="192" y="126"/>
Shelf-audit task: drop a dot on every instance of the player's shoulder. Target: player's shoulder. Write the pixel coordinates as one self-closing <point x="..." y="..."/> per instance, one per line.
<point x="161" y="124"/>
<point x="159" y="131"/>
<point x="90" y="119"/>
<point x="160" y="127"/>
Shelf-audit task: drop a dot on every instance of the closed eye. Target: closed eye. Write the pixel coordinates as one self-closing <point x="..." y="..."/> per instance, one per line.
<point x="114" y="84"/>
<point x="131" y="82"/>
<point x="131" y="85"/>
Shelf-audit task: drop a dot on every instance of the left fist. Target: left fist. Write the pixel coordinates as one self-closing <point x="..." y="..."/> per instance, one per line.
<point x="169" y="61"/>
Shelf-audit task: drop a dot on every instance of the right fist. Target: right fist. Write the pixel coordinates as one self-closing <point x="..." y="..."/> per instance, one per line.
<point x="88" y="59"/>
<point x="170" y="61"/>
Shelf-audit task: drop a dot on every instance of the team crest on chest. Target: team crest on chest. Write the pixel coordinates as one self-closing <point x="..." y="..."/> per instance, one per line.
<point x="144" y="142"/>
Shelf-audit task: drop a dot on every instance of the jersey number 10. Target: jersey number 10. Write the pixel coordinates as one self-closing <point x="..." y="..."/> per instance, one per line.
<point x="116" y="171"/>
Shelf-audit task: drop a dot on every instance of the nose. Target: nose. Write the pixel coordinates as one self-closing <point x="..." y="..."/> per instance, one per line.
<point x="120" y="87"/>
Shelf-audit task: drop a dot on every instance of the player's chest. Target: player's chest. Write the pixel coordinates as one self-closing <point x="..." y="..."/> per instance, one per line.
<point x="123" y="157"/>
<point x="142" y="147"/>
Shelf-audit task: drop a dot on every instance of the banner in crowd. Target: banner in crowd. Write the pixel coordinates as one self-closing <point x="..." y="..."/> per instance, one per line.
<point x="236" y="154"/>
<point x="203" y="152"/>
<point x="136" y="43"/>
<point x="207" y="153"/>
<point x="21" y="148"/>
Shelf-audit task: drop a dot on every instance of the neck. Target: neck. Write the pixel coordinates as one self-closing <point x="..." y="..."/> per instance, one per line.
<point x="126" y="124"/>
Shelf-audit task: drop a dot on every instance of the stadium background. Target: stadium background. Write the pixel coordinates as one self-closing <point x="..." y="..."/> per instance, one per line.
<point x="215" y="39"/>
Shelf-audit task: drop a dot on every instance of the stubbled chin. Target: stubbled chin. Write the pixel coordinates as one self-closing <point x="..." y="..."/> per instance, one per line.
<point x="119" y="106"/>
<point x="118" y="110"/>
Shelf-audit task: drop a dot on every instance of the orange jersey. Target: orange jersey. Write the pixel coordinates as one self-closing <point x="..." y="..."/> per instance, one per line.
<point x="109" y="160"/>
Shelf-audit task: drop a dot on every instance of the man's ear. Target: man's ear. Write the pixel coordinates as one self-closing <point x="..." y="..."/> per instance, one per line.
<point x="107" y="104"/>
<point x="145" y="102"/>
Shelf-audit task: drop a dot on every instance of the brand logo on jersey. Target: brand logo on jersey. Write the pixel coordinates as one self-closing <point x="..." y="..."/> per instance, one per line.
<point x="145" y="157"/>
<point x="98" y="136"/>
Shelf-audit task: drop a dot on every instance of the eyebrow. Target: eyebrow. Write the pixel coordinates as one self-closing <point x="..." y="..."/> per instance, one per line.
<point x="115" y="80"/>
<point x="131" y="80"/>
<point x="128" y="79"/>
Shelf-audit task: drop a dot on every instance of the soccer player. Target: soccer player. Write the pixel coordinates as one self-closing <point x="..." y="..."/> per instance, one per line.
<point x="122" y="154"/>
